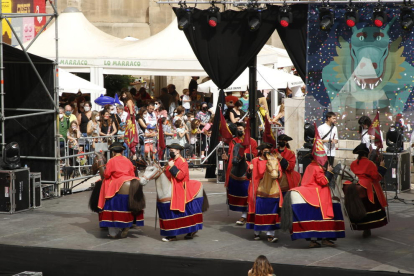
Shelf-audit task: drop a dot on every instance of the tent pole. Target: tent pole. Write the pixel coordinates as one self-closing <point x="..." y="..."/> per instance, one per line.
<point x="56" y="98"/>
<point x="253" y="97"/>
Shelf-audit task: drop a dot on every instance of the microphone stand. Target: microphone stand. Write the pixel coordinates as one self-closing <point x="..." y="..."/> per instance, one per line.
<point x="395" y="158"/>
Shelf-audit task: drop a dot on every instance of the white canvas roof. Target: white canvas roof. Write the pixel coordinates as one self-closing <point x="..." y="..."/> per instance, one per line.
<point x="69" y="83"/>
<point x="85" y="48"/>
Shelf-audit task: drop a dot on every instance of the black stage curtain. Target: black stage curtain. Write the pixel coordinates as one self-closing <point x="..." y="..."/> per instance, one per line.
<point x="62" y="262"/>
<point x="295" y="37"/>
<point x="226" y="50"/>
<point x="22" y="88"/>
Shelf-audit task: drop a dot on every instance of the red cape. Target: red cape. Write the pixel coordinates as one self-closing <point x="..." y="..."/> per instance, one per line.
<point x="259" y="169"/>
<point x="369" y="178"/>
<point x="118" y="170"/>
<point x="237" y="140"/>
<point x="183" y="189"/>
<point x="315" y="190"/>
<point x="293" y="176"/>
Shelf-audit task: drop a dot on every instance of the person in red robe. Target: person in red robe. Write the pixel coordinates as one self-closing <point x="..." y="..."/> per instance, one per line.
<point x="184" y="208"/>
<point x="263" y="212"/>
<point x="115" y="212"/>
<point x="287" y="159"/>
<point x="315" y="191"/>
<point x="371" y="194"/>
<point x="237" y="187"/>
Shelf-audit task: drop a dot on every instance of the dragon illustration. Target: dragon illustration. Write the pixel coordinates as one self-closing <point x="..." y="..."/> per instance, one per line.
<point x="369" y="72"/>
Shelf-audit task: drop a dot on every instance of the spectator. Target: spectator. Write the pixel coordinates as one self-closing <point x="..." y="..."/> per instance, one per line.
<point x="195" y="101"/>
<point x="279" y="120"/>
<point x="121" y="138"/>
<point x="173" y="104"/>
<point x="204" y="117"/>
<point x="206" y="133"/>
<point x="93" y="125"/>
<point x="83" y="119"/>
<point x="190" y="118"/>
<point x="121" y="114"/>
<point x="79" y="106"/>
<point x="107" y="126"/>
<point x="150" y="117"/>
<point x="165" y="98"/>
<point x="144" y="96"/>
<point x="193" y="85"/>
<point x="236" y="114"/>
<point x="186" y="100"/>
<point x="195" y="130"/>
<point x="181" y="136"/>
<point x="73" y="136"/>
<point x="245" y="101"/>
<point x="65" y="119"/>
<point x="168" y="134"/>
<point x="142" y="126"/>
<point x="160" y="111"/>
<point x="261" y="267"/>
<point x="171" y="89"/>
<point x="133" y="91"/>
<point x="150" y="142"/>
<point x="180" y="114"/>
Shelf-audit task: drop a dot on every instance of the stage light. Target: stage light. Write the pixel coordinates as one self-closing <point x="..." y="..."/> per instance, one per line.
<point x="213" y="17"/>
<point x="351" y="16"/>
<point x="394" y="139"/>
<point x="254" y="18"/>
<point x="326" y="18"/>
<point x="309" y="135"/>
<point x="407" y="18"/>
<point x="184" y="17"/>
<point x="11" y="156"/>
<point x="380" y="16"/>
<point x="285" y="16"/>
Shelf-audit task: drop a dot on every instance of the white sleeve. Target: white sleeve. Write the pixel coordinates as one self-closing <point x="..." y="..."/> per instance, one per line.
<point x="321" y="132"/>
<point x="412" y="137"/>
<point x="335" y="136"/>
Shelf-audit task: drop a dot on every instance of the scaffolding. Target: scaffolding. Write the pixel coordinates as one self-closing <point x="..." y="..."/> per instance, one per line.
<point x="27" y="112"/>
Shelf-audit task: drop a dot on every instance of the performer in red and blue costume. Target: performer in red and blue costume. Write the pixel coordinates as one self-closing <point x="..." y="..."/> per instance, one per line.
<point x="183" y="215"/>
<point x="318" y="218"/>
<point x="237" y="187"/>
<point x="287" y="160"/>
<point x="368" y="190"/>
<point x="115" y="213"/>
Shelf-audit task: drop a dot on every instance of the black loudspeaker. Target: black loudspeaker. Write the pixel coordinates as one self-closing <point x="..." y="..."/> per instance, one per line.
<point x="398" y="176"/>
<point x="14" y="191"/>
<point x="302" y="161"/>
<point x="221" y="164"/>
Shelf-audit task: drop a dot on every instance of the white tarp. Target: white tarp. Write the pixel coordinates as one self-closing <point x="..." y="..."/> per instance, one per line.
<point x="85" y="48"/>
<point x="69" y="83"/>
<point x="267" y="78"/>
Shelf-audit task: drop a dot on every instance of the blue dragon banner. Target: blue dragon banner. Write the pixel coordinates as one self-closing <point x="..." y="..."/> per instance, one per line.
<point x="357" y="71"/>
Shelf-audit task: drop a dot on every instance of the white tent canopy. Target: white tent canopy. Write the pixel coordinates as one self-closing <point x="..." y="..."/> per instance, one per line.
<point x="267" y="78"/>
<point x="85" y="48"/>
<point x="69" y="83"/>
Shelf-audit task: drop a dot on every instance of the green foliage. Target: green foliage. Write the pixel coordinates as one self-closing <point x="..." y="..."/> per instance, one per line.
<point x="114" y="83"/>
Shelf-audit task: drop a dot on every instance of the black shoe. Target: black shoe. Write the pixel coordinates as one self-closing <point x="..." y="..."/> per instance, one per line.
<point x="190" y="236"/>
<point x="168" y="239"/>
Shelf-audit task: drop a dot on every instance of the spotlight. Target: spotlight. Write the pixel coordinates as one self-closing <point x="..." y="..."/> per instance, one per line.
<point x="326" y="18"/>
<point x="407" y="18"/>
<point x="394" y="139"/>
<point x="11" y="156"/>
<point x="254" y="18"/>
<point x="351" y="16"/>
<point x="285" y="16"/>
<point x="380" y="16"/>
<point x="309" y="135"/>
<point x="213" y="17"/>
<point x="184" y="17"/>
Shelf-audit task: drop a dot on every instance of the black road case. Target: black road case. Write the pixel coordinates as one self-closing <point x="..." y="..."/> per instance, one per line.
<point x="35" y="190"/>
<point x="14" y="191"/>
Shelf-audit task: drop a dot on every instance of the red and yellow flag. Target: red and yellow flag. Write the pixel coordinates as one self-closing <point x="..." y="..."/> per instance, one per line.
<point x="268" y="136"/>
<point x="375" y="130"/>
<point x="224" y="131"/>
<point x="318" y="151"/>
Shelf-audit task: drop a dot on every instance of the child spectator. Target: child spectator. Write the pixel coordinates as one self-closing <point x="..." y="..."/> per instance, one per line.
<point x="73" y="136"/>
<point x="181" y="136"/>
<point x="190" y="118"/>
<point x="186" y="100"/>
<point x="195" y="130"/>
<point x="206" y="131"/>
<point x="121" y="138"/>
<point x="150" y="142"/>
<point x="168" y="134"/>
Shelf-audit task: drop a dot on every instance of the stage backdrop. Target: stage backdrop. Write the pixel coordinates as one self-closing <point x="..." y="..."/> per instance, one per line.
<point x="357" y="71"/>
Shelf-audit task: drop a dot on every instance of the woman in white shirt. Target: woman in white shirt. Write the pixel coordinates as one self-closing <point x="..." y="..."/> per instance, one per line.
<point x="186" y="100"/>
